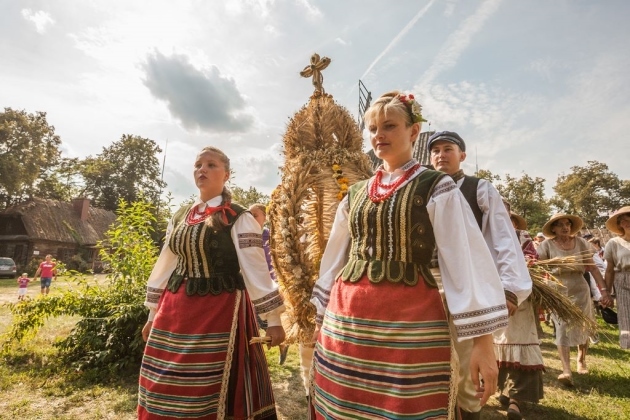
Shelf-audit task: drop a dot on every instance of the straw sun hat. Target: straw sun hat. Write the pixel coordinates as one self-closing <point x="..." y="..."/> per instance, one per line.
<point x="576" y="224"/>
<point x="521" y="224"/>
<point x="611" y="224"/>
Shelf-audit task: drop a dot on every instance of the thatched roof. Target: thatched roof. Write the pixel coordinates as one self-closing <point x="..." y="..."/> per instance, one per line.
<point x="58" y="221"/>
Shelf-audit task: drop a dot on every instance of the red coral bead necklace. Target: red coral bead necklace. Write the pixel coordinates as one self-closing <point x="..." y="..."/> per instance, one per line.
<point x="377" y="183"/>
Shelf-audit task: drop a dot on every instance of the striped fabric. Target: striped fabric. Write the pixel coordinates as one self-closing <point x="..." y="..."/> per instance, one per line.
<point x="383" y="353"/>
<point x="190" y="373"/>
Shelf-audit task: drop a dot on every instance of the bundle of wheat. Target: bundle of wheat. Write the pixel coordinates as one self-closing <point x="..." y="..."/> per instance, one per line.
<point x="546" y="290"/>
<point x="323" y="158"/>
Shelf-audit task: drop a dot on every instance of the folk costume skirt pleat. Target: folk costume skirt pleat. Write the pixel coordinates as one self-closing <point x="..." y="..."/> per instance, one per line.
<point x="198" y="363"/>
<point x="383" y="352"/>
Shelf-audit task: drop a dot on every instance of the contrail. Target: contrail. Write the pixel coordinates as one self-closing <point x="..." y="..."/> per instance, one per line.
<point x="399" y="36"/>
<point x="458" y="41"/>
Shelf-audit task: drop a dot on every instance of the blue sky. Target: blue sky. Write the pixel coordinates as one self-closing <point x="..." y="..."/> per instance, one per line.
<point x="533" y="86"/>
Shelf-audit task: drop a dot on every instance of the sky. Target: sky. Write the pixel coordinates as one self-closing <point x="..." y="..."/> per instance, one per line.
<point x="533" y="86"/>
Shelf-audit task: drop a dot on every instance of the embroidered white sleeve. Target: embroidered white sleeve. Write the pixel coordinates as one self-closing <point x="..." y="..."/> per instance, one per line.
<point x="502" y="242"/>
<point x="162" y="270"/>
<point x="262" y="290"/>
<point x="471" y="284"/>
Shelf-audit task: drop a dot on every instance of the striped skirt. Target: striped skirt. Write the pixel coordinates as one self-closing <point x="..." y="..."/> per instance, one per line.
<point x="198" y="363"/>
<point x="384" y="352"/>
<point x="622" y="290"/>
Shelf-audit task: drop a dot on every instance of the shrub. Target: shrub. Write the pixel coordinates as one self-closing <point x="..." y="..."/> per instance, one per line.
<point x="108" y="335"/>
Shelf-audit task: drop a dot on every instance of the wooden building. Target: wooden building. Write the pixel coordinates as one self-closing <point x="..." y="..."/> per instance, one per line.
<point x="38" y="227"/>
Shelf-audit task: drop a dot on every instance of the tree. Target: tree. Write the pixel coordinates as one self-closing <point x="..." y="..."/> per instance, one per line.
<point x="60" y="182"/>
<point x="108" y="335"/>
<point x="487" y="175"/>
<point x="248" y="197"/>
<point x="28" y="145"/>
<point x="526" y="196"/>
<point x="127" y="170"/>
<point x="590" y="191"/>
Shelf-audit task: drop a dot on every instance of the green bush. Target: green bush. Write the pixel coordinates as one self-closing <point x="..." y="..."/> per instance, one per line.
<point x="77" y="263"/>
<point x="108" y="335"/>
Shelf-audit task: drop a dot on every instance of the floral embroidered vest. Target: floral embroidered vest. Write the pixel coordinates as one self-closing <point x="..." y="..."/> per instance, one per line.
<point x="392" y="240"/>
<point x="206" y="258"/>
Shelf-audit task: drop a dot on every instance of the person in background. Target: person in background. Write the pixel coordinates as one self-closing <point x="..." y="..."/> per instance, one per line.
<point x="48" y="271"/>
<point x="517" y="347"/>
<point x="598" y="256"/>
<point x="538" y="239"/>
<point x="447" y="151"/>
<point x="23" y="281"/>
<point x="617" y="255"/>
<point x="563" y="243"/>
<point x="383" y="337"/>
<point x="259" y="211"/>
<point x="203" y="358"/>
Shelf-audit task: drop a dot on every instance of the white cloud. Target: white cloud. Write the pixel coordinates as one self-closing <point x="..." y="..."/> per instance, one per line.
<point x="398" y="37"/>
<point x="342" y="42"/>
<point x="545" y="67"/>
<point x="458" y="41"/>
<point x="312" y="10"/>
<point x="40" y="19"/>
<point x="204" y="99"/>
<point x="449" y="9"/>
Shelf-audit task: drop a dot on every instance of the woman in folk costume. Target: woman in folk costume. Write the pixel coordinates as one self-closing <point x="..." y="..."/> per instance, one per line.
<point x="384" y="348"/>
<point x="198" y="362"/>
<point x="517" y="347"/>
<point x="562" y="242"/>
<point x="617" y="254"/>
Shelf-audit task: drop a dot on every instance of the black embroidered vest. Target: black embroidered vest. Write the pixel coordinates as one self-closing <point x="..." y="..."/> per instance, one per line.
<point x="392" y="240"/>
<point x="469" y="191"/>
<point x="206" y="258"/>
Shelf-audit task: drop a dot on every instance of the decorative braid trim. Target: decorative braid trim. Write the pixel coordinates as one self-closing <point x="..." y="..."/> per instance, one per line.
<point x="153" y="295"/>
<point x="511" y="297"/>
<point x="268" y="303"/>
<point x="443" y="188"/>
<point x="481" y="328"/>
<point x="479" y="312"/>
<point x="228" y="359"/>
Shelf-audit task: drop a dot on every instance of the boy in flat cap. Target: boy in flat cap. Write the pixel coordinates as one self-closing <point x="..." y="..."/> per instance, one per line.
<point x="447" y="150"/>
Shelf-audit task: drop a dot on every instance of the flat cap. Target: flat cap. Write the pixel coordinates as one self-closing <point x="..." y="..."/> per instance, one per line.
<point x="451" y="136"/>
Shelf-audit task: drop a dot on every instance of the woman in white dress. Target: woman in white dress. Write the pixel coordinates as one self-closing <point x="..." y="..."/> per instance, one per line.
<point x="617" y="255"/>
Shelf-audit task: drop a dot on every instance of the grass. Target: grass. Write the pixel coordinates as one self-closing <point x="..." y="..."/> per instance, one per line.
<point x="34" y="386"/>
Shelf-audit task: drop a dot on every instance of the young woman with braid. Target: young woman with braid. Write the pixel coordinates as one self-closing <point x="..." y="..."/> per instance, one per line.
<point x="211" y="273"/>
<point x="383" y="342"/>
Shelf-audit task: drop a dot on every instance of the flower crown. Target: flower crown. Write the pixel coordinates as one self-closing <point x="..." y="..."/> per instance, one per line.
<point x="414" y="108"/>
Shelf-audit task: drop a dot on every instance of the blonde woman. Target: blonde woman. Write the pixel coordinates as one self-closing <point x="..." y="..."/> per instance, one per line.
<point x="383" y="340"/>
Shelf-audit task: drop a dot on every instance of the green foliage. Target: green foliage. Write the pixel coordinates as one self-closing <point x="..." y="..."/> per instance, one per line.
<point x="591" y="192"/>
<point x="248" y="197"/>
<point x="127" y="170"/>
<point x="28" y="145"/>
<point x="526" y="196"/>
<point x="108" y="335"/>
<point x="487" y="175"/>
<point x="77" y="263"/>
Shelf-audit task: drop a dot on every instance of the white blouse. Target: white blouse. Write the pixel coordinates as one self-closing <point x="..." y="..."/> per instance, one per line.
<point x="502" y="241"/>
<point x="472" y="288"/>
<point x="251" y="259"/>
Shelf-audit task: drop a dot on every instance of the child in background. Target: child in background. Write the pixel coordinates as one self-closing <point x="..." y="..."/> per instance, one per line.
<point x="23" y="282"/>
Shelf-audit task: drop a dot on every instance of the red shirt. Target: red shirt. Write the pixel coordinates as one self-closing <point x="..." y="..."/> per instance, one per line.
<point x="47" y="269"/>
